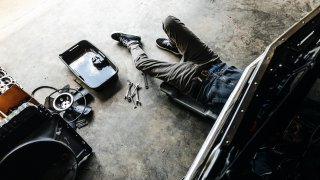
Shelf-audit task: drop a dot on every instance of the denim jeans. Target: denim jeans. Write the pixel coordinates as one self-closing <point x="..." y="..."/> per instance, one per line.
<point x="217" y="87"/>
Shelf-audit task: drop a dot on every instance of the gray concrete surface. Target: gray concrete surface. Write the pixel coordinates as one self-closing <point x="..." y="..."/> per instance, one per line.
<point x="160" y="139"/>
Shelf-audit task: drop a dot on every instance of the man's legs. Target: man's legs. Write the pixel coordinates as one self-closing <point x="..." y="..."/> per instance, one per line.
<point x="181" y="75"/>
<point x="188" y="44"/>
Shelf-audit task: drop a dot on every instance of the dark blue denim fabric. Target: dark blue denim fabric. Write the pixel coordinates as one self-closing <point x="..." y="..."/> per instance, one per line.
<point x="217" y="87"/>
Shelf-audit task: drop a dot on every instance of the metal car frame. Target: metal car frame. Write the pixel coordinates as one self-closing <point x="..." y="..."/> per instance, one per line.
<point x="263" y="102"/>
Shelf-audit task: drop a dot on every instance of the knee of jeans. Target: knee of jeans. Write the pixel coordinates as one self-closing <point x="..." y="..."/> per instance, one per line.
<point x="140" y="63"/>
<point x="139" y="66"/>
<point x="169" y="21"/>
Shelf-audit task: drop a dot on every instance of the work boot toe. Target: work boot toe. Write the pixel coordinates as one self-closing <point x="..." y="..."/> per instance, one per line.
<point x="117" y="36"/>
<point x="126" y="39"/>
<point x="165" y="44"/>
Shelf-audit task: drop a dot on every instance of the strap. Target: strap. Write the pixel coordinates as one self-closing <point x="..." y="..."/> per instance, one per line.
<point x="216" y="67"/>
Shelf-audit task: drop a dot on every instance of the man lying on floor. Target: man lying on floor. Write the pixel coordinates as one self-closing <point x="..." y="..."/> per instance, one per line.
<point x="200" y="73"/>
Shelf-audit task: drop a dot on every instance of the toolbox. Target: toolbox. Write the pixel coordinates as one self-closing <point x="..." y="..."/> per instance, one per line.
<point x="89" y="64"/>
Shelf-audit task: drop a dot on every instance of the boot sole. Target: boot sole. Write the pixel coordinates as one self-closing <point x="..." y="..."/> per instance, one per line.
<point x="139" y="37"/>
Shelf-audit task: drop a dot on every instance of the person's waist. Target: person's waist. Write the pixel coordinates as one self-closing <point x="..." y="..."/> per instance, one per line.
<point x="200" y="79"/>
<point x="207" y="73"/>
<point x="213" y="69"/>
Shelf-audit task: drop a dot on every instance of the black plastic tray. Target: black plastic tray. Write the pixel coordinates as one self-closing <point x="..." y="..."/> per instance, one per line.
<point x="79" y="59"/>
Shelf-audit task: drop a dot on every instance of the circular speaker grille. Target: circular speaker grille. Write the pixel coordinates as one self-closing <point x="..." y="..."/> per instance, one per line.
<point x="63" y="101"/>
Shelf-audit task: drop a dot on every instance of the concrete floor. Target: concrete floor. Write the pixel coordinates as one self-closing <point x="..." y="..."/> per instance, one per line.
<point x="160" y="139"/>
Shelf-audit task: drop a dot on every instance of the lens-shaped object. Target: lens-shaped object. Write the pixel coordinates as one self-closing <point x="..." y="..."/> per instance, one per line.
<point x="63" y="101"/>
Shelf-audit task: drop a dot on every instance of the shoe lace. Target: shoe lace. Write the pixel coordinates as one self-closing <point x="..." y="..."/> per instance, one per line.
<point x="127" y="42"/>
<point x="124" y="41"/>
<point x="167" y="43"/>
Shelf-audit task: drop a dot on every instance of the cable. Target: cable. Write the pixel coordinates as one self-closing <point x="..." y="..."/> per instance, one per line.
<point x="42" y="87"/>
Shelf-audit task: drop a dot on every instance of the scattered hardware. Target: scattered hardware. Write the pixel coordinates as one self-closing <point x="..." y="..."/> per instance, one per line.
<point x="138" y="98"/>
<point x="134" y="103"/>
<point x="128" y="94"/>
<point x="131" y="93"/>
<point x="70" y="103"/>
<point x="135" y="89"/>
<point x="6" y="81"/>
<point x="145" y="80"/>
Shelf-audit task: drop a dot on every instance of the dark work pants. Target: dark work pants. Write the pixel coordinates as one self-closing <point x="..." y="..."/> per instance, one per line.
<point x="196" y="56"/>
